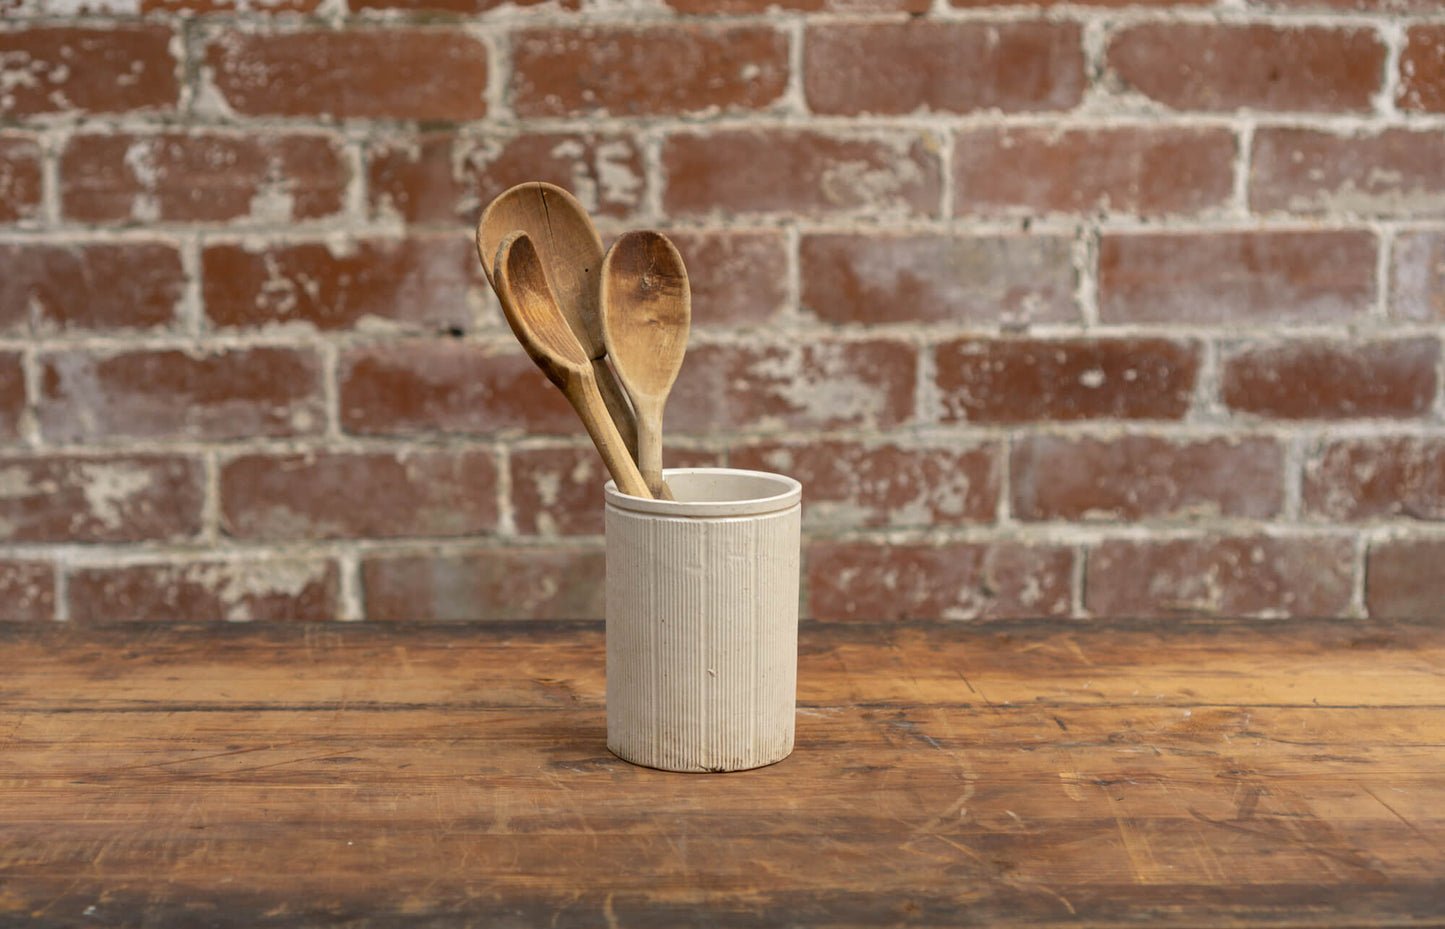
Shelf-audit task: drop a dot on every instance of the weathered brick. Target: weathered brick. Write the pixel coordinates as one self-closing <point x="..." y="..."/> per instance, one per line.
<point x="12" y="396"/>
<point x="444" y="178"/>
<point x="392" y="73"/>
<point x="170" y="394"/>
<point x="850" y="484"/>
<point x="648" y="70"/>
<point x="737" y="278"/>
<point x="809" y="385"/>
<point x="726" y="7"/>
<point x="1403" y="579"/>
<point x="942" y="67"/>
<point x="1011" y="281"/>
<point x="1129" y="170"/>
<point x="557" y="490"/>
<point x="421" y="282"/>
<point x="340" y="495"/>
<point x="88" y="499"/>
<point x="1023" y="380"/>
<point x="800" y="173"/>
<point x="1377" y="478"/>
<point x="273" y="590"/>
<point x="1417" y="277"/>
<point x="20" y="177"/>
<point x="1214" y="67"/>
<point x="27" y="591"/>
<point x="1331" y="380"/>
<point x="1422" y="70"/>
<point x="486" y="584"/>
<point x="1255" y="576"/>
<point x="456" y="7"/>
<point x="957" y="580"/>
<point x="248" y="7"/>
<point x="421" y="386"/>
<point x="71" y="69"/>
<point x="1361" y="6"/>
<point x="1392" y="173"/>
<point x="208" y="177"/>
<point x="93" y="286"/>
<point x="973" y="4"/>
<point x="1252" y="277"/>
<point x="1139" y="477"/>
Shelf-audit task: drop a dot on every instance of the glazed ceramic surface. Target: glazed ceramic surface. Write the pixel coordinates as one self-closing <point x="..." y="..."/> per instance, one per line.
<point x="702" y="621"/>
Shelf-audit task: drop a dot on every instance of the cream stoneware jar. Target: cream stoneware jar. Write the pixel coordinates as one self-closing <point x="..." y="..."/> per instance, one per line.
<point x="702" y="621"/>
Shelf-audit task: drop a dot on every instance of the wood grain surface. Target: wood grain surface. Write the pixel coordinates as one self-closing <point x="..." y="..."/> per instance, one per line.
<point x="1223" y="774"/>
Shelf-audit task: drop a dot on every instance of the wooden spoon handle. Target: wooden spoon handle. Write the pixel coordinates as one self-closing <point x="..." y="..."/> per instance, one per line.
<point x="587" y="400"/>
<point x="617" y="404"/>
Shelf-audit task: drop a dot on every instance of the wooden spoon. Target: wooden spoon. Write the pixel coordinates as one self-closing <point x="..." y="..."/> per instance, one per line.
<point x="646" y="315"/>
<point x="571" y="253"/>
<point x="544" y="332"/>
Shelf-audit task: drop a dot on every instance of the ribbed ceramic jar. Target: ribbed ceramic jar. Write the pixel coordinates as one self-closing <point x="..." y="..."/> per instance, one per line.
<point x="702" y="621"/>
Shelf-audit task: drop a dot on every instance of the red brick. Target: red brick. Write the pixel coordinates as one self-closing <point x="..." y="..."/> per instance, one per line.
<point x="1011" y="281"/>
<point x="647" y="71"/>
<point x="958" y="580"/>
<point x="457" y="7"/>
<point x="1129" y="170"/>
<point x="1417" y="277"/>
<point x="1332" y="380"/>
<point x="1422" y="70"/>
<point x="1208" y="66"/>
<point x="279" y="590"/>
<point x="1377" y="478"/>
<point x="1249" y="277"/>
<point x="811" y="384"/>
<point x="486" y="584"/>
<point x="170" y="394"/>
<point x="1024" y="380"/>
<point x="849" y="484"/>
<point x="557" y="490"/>
<point x="443" y="178"/>
<point x="800" y="173"/>
<point x="80" y="499"/>
<point x="12" y="396"/>
<point x="341" y="495"/>
<point x="1253" y="576"/>
<point x="391" y="73"/>
<point x="942" y="67"/>
<point x="68" y="69"/>
<point x="91" y="287"/>
<point x="1395" y="172"/>
<point x="1140" y="477"/>
<point x="209" y="177"/>
<point x="726" y="7"/>
<point x="422" y="282"/>
<point x="418" y="386"/>
<point x="737" y="278"/>
<point x="1404" y="580"/>
<point x="20" y="177"/>
<point x="27" y="591"/>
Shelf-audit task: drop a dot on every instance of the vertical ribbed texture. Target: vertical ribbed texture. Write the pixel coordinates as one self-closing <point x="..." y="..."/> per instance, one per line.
<point x="702" y="639"/>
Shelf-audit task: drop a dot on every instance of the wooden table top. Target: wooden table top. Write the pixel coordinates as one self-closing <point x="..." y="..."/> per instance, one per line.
<point x="1221" y="774"/>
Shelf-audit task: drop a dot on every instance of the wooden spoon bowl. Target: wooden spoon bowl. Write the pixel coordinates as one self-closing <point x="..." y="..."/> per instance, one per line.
<point x="548" y="338"/>
<point x="646" y="317"/>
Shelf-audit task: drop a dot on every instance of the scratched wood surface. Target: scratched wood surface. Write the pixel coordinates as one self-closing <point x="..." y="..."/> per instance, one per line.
<point x="1021" y="775"/>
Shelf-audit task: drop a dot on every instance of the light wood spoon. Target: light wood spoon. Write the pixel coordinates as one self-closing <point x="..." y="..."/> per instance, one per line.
<point x="541" y="327"/>
<point x="646" y="316"/>
<point x="571" y="253"/>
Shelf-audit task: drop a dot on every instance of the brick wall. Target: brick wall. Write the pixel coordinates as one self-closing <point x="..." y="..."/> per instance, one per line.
<point x="1056" y="310"/>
